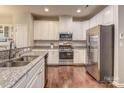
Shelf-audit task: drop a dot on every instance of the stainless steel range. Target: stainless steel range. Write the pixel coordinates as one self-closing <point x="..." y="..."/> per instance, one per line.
<point x="65" y="47"/>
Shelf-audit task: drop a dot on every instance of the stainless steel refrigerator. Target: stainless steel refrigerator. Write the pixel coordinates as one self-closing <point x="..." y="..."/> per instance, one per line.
<point x="100" y="53"/>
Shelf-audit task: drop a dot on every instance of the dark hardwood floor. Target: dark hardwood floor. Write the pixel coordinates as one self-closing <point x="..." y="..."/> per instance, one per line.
<point x="71" y="77"/>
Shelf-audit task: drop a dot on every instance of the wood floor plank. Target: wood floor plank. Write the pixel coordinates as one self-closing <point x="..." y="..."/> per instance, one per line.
<point x="71" y="77"/>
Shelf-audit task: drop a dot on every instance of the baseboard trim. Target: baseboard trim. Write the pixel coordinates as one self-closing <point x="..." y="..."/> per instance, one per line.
<point x="118" y="85"/>
<point x="66" y="64"/>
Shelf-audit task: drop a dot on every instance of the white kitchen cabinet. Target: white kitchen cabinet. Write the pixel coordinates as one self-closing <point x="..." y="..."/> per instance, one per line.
<point x="21" y="35"/>
<point x="105" y="17"/>
<point x="53" y="57"/>
<point x="34" y="78"/>
<point x="41" y="30"/>
<point x="79" y="56"/>
<point x="21" y="83"/>
<point x="53" y="30"/>
<point x="38" y="80"/>
<point x="99" y="18"/>
<point x="65" y="23"/>
<point x="93" y="22"/>
<point x="34" y="83"/>
<point x="45" y="30"/>
<point x="108" y="15"/>
<point x="77" y="29"/>
<point x="85" y="28"/>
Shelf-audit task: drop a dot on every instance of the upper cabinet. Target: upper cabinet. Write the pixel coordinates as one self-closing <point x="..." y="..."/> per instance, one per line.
<point x="65" y="24"/>
<point x="105" y="17"/>
<point x="93" y="22"/>
<point x="86" y="26"/>
<point x="99" y="18"/>
<point x="40" y="30"/>
<point x="77" y="29"/>
<point x="108" y="15"/>
<point x="6" y="31"/>
<point x="45" y="30"/>
<point x="53" y="30"/>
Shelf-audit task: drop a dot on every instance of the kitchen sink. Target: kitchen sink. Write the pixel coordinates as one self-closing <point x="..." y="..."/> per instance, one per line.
<point x="22" y="61"/>
<point x="14" y="64"/>
<point x="26" y="58"/>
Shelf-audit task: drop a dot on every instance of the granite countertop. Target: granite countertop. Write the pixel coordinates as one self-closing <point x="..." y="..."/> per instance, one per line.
<point x="57" y="47"/>
<point x="46" y="47"/>
<point x="10" y="75"/>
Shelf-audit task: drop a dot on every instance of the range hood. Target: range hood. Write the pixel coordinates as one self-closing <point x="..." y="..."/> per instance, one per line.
<point x="65" y="23"/>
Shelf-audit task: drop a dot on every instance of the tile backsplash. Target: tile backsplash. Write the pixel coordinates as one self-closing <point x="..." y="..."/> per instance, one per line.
<point x="4" y="54"/>
<point x="14" y="52"/>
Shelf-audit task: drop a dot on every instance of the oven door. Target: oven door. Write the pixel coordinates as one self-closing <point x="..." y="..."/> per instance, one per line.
<point x="66" y="55"/>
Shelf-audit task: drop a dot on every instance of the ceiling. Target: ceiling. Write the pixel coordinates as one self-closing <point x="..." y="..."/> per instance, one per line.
<point x="58" y="10"/>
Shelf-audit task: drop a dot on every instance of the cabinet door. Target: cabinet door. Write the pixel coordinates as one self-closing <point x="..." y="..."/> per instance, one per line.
<point x="76" y="54"/>
<point x="77" y="29"/>
<point x="93" y="22"/>
<point x="21" y="83"/>
<point x="82" y="56"/>
<point x="79" y="56"/>
<point x="53" y="30"/>
<point x="108" y="16"/>
<point x="56" y="31"/>
<point x="41" y="30"/>
<point x="41" y="79"/>
<point x="85" y="28"/>
<point x="99" y="18"/>
<point x="34" y="83"/>
<point x="53" y="57"/>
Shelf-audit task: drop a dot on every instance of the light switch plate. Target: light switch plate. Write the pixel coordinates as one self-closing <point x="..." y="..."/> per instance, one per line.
<point x="121" y="35"/>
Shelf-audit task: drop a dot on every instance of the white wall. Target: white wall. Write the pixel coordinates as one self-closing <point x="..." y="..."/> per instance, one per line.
<point x="121" y="43"/>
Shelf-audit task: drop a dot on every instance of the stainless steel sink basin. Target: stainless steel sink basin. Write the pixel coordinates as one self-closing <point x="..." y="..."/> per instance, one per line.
<point x="22" y="61"/>
<point x="26" y="58"/>
<point x="14" y="64"/>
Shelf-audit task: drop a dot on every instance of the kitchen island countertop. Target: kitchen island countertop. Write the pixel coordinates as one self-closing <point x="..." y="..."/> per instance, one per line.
<point x="9" y="76"/>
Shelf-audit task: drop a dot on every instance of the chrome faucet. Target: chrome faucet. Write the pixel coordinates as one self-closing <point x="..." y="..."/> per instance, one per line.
<point x="10" y="50"/>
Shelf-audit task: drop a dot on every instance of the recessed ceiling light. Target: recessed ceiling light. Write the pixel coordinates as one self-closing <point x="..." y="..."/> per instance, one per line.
<point x="78" y="10"/>
<point x="46" y="9"/>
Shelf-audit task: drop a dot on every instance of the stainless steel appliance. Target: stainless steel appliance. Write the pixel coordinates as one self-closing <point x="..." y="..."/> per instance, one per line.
<point x="65" y="36"/>
<point x="100" y="53"/>
<point x="65" y="47"/>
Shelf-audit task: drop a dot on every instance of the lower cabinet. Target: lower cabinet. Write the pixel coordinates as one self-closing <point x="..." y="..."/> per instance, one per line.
<point x="35" y="78"/>
<point x="53" y="57"/>
<point x="38" y="81"/>
<point x="21" y="83"/>
<point x="79" y="56"/>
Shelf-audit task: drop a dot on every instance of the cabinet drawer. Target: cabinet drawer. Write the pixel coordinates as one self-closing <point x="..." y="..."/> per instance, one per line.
<point x="21" y="83"/>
